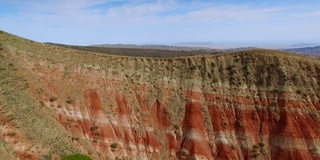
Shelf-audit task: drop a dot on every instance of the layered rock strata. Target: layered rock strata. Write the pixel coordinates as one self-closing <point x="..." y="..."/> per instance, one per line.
<point x="253" y="104"/>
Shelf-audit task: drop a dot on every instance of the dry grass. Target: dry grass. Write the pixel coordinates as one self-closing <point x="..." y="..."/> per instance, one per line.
<point x="36" y="125"/>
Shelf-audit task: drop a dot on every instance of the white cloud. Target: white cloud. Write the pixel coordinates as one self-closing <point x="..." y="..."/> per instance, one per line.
<point x="137" y="13"/>
<point x="67" y="18"/>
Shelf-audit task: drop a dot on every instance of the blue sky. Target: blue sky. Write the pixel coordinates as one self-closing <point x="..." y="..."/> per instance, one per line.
<point x="86" y="22"/>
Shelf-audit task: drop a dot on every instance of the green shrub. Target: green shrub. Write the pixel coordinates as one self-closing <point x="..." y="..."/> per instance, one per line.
<point x="255" y="155"/>
<point x="76" y="157"/>
<point x="114" y="145"/>
<point x="69" y="100"/>
<point x="255" y="147"/>
<point x="11" y="134"/>
<point x="75" y="138"/>
<point x="231" y="66"/>
<point x="261" y="144"/>
<point x="264" y="152"/>
<point x="192" y="67"/>
<point x="298" y="91"/>
<point x="29" y="156"/>
<point x="92" y="128"/>
<point x="98" y="134"/>
<point x="176" y="126"/>
<point x="53" y="98"/>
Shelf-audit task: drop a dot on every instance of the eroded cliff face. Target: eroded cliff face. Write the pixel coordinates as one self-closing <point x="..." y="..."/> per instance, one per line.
<point x="254" y="104"/>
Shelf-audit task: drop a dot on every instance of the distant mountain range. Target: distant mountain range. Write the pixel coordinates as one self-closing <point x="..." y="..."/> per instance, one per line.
<point x="304" y="48"/>
<point x="315" y="51"/>
<point x="183" y="46"/>
<point x="300" y="45"/>
<point x="154" y="46"/>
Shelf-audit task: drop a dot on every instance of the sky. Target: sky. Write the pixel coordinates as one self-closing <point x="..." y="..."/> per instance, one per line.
<point x="87" y="22"/>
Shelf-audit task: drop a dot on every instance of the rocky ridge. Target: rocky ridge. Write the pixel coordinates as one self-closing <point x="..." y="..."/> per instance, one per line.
<point x="55" y="101"/>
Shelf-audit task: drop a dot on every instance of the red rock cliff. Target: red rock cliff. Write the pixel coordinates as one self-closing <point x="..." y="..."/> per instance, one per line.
<point x="254" y="104"/>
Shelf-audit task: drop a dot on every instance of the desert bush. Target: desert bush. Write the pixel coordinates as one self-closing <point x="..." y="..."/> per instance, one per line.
<point x="261" y="144"/>
<point x="28" y="156"/>
<point x="231" y="66"/>
<point x="11" y="134"/>
<point x="92" y="128"/>
<point x="53" y="98"/>
<point x="184" y="152"/>
<point x="192" y="67"/>
<point x="75" y="138"/>
<point x="298" y="91"/>
<point x="176" y="126"/>
<point x="98" y="134"/>
<point x="69" y="100"/>
<point x="114" y="145"/>
<point x="76" y="157"/>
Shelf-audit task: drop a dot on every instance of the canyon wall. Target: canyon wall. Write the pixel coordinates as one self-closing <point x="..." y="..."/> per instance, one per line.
<point x="257" y="104"/>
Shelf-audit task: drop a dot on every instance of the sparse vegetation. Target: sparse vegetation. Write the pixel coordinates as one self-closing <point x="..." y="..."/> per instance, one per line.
<point x="261" y="144"/>
<point x="76" y="157"/>
<point x="75" y="138"/>
<point x="231" y="66"/>
<point x="53" y="98"/>
<point x="46" y="157"/>
<point x="316" y="115"/>
<point x="98" y="134"/>
<point x="21" y="107"/>
<point x="259" y="148"/>
<point x="11" y="134"/>
<point x="184" y="152"/>
<point x="92" y="128"/>
<point x="298" y="91"/>
<point x="192" y="68"/>
<point x="264" y="152"/>
<point x="10" y="117"/>
<point x="255" y="147"/>
<point x="41" y="103"/>
<point x="29" y="156"/>
<point x="176" y="127"/>
<point x="114" y="145"/>
<point x="69" y="100"/>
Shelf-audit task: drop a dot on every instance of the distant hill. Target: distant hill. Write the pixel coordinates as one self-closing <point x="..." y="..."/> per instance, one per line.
<point x="155" y="51"/>
<point x="314" y="51"/>
<point x="302" y="45"/>
<point x="157" y="47"/>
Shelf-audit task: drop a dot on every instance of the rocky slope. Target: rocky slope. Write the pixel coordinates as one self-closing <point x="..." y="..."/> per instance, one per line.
<point x="258" y="104"/>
